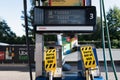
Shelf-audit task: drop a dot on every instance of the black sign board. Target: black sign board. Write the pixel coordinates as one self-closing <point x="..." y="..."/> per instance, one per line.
<point x="65" y="19"/>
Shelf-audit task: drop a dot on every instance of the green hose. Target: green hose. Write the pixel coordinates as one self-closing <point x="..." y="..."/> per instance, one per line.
<point x="109" y="42"/>
<point x="103" y="42"/>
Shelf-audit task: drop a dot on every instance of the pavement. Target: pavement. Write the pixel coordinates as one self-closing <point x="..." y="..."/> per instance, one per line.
<point x="15" y="72"/>
<point x="21" y="72"/>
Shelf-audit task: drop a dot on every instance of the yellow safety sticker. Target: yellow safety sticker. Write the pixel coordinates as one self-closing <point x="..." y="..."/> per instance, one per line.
<point x="88" y="56"/>
<point x="50" y="60"/>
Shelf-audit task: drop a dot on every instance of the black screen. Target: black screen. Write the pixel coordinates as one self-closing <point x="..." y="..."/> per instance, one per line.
<point x="66" y="16"/>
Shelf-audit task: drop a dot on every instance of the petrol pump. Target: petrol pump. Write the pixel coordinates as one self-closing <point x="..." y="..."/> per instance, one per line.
<point x="65" y="19"/>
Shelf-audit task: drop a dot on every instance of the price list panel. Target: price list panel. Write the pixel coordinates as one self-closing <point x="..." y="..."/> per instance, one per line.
<point x="65" y="17"/>
<point x="78" y="19"/>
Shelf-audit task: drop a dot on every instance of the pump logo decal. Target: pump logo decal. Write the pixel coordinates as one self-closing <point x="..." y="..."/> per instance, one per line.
<point x="50" y="60"/>
<point x="88" y="57"/>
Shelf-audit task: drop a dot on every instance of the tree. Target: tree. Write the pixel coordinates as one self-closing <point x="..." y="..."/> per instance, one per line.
<point x="113" y="17"/>
<point x="6" y="35"/>
<point x="30" y="22"/>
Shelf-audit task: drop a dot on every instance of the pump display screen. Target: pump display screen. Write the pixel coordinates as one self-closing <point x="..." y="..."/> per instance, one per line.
<point x="65" y="18"/>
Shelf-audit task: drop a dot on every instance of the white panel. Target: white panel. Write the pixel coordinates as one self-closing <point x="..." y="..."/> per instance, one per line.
<point x="65" y="28"/>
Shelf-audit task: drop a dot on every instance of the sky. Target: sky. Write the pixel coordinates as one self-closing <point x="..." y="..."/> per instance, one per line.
<point x="11" y="12"/>
<point x="108" y="4"/>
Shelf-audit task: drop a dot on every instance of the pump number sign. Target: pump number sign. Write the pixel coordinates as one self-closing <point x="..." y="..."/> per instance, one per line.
<point x="50" y="60"/>
<point x="65" y="18"/>
<point x="88" y="57"/>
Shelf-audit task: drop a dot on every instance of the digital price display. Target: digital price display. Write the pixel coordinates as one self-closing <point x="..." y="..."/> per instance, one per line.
<point x="65" y="19"/>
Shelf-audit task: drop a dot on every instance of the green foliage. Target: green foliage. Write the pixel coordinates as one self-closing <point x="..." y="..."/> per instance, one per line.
<point x="6" y="35"/>
<point x="115" y="43"/>
<point x="113" y="17"/>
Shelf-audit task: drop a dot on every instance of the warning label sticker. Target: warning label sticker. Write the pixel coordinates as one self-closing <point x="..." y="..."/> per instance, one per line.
<point x="50" y="60"/>
<point x="66" y="2"/>
<point x="88" y="57"/>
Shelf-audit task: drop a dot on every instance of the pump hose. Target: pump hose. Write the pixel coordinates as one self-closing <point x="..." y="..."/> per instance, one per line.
<point x="109" y="42"/>
<point x="103" y="42"/>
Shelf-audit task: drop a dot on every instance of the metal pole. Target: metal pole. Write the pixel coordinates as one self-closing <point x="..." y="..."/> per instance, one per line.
<point x="103" y="41"/>
<point x="50" y="75"/>
<point x="87" y="74"/>
<point x="27" y="41"/>
<point x="109" y="42"/>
